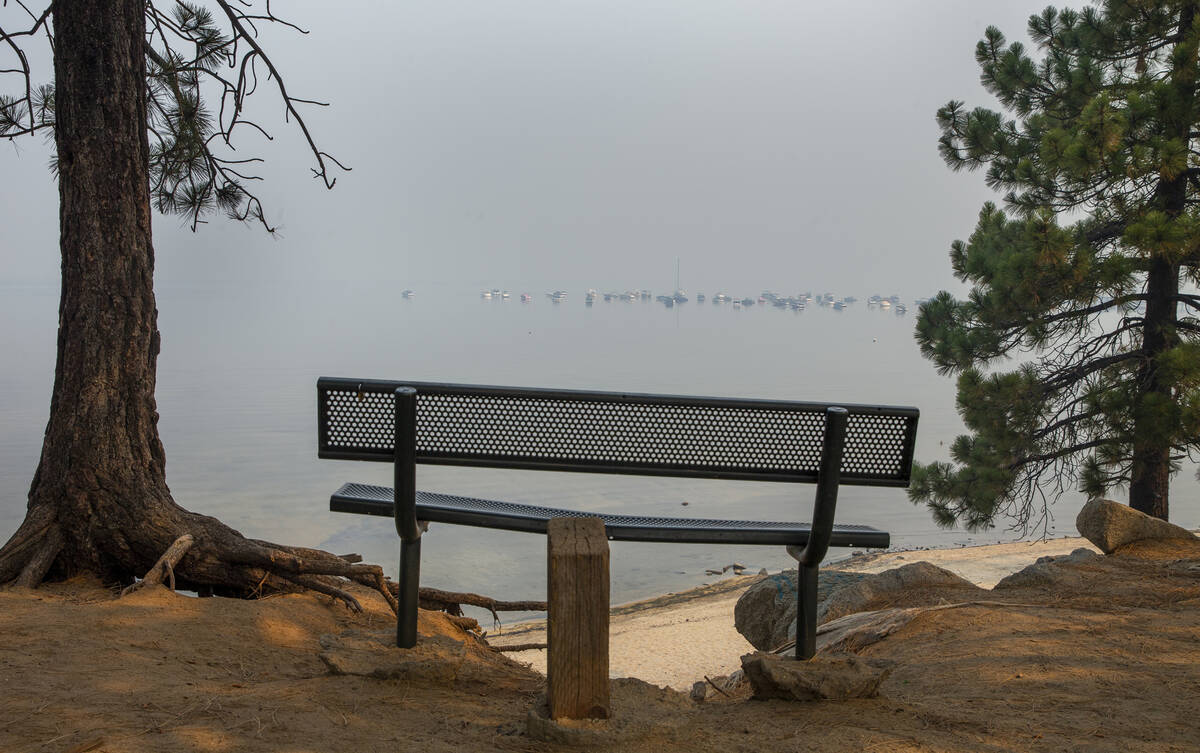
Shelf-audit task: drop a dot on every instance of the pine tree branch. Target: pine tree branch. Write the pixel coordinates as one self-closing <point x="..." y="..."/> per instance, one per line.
<point x="1061" y="453"/>
<point x="13" y="107"/>
<point x="1187" y="326"/>
<point x="1109" y="231"/>
<point x="1039" y="318"/>
<point x="1081" y="371"/>
<point x="1077" y="418"/>
<point x="235" y="19"/>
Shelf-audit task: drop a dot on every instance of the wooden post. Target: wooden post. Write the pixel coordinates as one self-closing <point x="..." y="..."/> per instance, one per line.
<point x="577" y="629"/>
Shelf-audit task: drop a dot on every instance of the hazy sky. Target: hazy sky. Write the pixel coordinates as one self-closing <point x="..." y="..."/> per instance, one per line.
<point x="535" y="145"/>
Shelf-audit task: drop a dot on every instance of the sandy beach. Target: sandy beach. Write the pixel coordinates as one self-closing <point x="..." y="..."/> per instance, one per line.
<point x="678" y="639"/>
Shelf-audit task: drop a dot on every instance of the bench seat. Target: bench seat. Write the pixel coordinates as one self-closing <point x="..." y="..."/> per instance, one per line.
<point x="366" y="499"/>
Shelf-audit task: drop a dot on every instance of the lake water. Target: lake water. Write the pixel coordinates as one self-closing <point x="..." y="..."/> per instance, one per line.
<point x="236" y="393"/>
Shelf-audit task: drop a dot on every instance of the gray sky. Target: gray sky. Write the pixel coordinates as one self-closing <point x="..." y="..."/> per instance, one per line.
<point x="534" y="145"/>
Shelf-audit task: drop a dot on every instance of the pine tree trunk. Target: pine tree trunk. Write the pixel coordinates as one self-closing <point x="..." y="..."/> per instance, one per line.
<point x="102" y="467"/>
<point x="1151" y="472"/>
<point x="99" y="501"/>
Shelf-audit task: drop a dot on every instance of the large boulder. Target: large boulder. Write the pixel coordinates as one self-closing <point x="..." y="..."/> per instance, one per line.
<point x="1111" y="525"/>
<point x="913" y="584"/>
<point x="766" y="614"/>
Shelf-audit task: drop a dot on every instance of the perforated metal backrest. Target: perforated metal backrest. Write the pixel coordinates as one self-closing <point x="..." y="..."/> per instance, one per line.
<point x="610" y="432"/>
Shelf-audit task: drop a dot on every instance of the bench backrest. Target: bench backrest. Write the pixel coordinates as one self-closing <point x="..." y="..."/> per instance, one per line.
<point x="613" y="432"/>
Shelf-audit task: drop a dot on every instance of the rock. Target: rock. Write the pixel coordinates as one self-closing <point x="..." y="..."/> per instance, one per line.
<point x="722" y="684"/>
<point x="1048" y="570"/>
<point x="1110" y="525"/>
<point x="913" y="577"/>
<point x="854" y="632"/>
<point x="766" y="614"/>
<point x="835" y="677"/>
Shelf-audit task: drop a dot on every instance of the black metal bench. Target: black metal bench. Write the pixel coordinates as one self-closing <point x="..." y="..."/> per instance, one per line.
<point x="406" y="423"/>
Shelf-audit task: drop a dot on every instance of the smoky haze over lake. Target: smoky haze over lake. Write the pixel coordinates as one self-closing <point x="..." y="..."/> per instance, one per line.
<point x="591" y="144"/>
<point x="531" y="147"/>
<point x="237" y="382"/>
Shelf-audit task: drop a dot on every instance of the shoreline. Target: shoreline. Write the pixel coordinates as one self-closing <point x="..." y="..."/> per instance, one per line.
<point x="680" y="638"/>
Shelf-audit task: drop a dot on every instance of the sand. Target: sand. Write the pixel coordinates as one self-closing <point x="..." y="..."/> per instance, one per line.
<point x="1103" y="657"/>
<point x="681" y="638"/>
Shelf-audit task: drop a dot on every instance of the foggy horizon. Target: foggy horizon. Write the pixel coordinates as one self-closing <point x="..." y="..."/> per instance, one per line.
<point x="534" y="146"/>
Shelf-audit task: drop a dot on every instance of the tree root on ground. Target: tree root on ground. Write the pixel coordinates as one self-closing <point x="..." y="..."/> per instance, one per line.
<point x="164" y="568"/>
<point x="200" y="553"/>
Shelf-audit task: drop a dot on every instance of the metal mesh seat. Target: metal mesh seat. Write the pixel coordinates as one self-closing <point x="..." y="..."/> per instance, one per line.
<point x="446" y="508"/>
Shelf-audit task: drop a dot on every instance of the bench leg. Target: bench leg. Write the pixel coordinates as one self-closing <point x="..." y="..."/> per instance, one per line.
<point x="410" y="583"/>
<point x="806" y="612"/>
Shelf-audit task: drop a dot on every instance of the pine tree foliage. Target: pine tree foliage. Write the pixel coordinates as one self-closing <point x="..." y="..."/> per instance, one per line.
<point x="1080" y="284"/>
<point x="195" y="59"/>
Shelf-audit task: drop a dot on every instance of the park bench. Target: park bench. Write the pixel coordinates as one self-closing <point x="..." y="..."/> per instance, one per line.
<point x="406" y="423"/>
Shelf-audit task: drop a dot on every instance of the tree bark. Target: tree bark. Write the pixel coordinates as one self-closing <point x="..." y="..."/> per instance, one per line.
<point x="99" y="500"/>
<point x="1150" y="474"/>
<point x="102" y="469"/>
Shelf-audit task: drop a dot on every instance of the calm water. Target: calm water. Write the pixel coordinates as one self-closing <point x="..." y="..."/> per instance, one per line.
<point x="236" y="392"/>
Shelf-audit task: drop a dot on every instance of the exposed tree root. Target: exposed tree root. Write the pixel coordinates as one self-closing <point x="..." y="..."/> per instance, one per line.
<point x="41" y="559"/>
<point x="199" y="552"/>
<point x="164" y="568"/>
<point x="466" y="623"/>
<point x="521" y="647"/>
<point x="25" y="543"/>
<point x="448" y="601"/>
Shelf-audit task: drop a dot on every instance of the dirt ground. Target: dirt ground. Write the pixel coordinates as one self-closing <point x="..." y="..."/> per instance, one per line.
<point x="1103" y="656"/>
